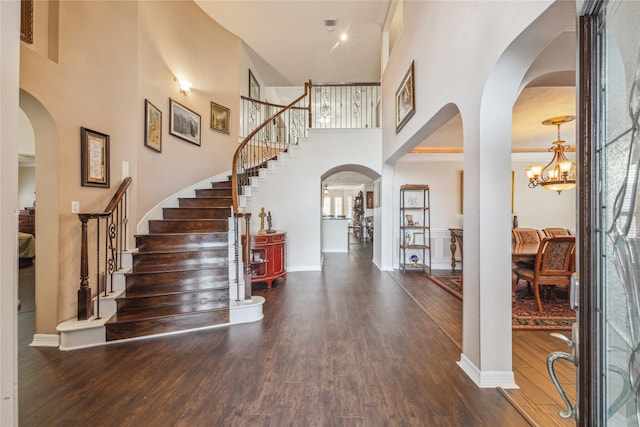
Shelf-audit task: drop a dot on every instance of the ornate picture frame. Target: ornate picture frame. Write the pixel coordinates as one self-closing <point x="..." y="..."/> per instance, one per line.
<point x="152" y="126"/>
<point x="183" y="122"/>
<point x="405" y="99"/>
<point x="94" y="158"/>
<point x="26" y="21"/>
<point x="369" y="199"/>
<point x="254" y="87"/>
<point x="220" y="118"/>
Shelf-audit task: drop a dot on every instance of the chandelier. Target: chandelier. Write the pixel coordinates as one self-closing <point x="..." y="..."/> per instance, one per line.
<point x="560" y="173"/>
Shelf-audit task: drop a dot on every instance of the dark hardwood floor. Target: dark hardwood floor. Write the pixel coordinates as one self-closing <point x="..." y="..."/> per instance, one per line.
<point x="348" y="346"/>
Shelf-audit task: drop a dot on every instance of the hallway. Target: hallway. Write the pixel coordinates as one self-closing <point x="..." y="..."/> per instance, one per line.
<point x="346" y="346"/>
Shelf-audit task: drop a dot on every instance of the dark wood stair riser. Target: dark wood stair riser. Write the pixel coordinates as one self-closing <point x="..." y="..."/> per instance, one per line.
<point x="188" y="225"/>
<point x="140" y="307"/>
<point x="196" y="213"/>
<point x="154" y="283"/>
<point x="206" y="202"/>
<point x="214" y="192"/>
<point x="122" y="330"/>
<point x="180" y="241"/>
<point x="221" y="184"/>
<point x="167" y="261"/>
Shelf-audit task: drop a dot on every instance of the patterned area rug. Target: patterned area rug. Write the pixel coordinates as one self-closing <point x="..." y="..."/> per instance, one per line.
<point x="525" y="315"/>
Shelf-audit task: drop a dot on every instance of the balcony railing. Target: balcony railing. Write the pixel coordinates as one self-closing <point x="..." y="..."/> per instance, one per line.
<point x="345" y="106"/>
<point x="268" y="129"/>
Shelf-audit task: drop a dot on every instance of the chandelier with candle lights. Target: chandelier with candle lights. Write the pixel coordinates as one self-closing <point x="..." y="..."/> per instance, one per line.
<point x="560" y="173"/>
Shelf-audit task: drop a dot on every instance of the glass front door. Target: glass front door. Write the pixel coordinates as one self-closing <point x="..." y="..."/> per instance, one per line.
<point x="615" y="278"/>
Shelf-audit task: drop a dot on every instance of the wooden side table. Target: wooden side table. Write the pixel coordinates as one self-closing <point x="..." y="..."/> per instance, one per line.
<point x="267" y="257"/>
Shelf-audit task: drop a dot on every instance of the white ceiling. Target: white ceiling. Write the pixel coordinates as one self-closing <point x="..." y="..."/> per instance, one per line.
<point x="289" y="44"/>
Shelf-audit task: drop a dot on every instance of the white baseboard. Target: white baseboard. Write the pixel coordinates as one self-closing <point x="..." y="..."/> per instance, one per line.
<point x="45" y="340"/>
<point x="487" y="379"/>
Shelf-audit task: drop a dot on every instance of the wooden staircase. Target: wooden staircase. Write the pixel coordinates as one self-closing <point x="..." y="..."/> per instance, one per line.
<point x="180" y="274"/>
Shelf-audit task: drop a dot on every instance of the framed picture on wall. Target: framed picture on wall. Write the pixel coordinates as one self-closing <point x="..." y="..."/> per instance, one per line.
<point x="219" y="118"/>
<point x="94" y="160"/>
<point x="152" y="126"/>
<point x="254" y="87"/>
<point x="183" y="122"/>
<point x="26" y="21"/>
<point x="376" y="194"/>
<point x="369" y="199"/>
<point x="405" y="100"/>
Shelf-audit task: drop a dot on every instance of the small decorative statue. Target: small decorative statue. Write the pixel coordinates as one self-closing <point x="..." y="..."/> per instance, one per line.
<point x="262" y="215"/>
<point x="269" y="230"/>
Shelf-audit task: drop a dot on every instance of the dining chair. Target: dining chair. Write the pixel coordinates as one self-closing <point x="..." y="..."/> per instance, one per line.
<point x="526" y="235"/>
<point x="555" y="263"/>
<point x="556" y="231"/>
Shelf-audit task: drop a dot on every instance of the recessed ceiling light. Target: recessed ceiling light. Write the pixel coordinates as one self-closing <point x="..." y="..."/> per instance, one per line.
<point x="343" y="36"/>
<point x="330" y="23"/>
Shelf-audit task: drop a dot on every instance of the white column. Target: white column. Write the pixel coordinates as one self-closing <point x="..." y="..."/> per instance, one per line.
<point x="9" y="83"/>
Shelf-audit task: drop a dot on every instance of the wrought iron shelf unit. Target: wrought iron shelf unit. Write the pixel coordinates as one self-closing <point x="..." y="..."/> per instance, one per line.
<point x="415" y="228"/>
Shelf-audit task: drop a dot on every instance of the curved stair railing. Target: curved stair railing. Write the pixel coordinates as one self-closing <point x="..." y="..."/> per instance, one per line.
<point x="115" y="218"/>
<point x="273" y="128"/>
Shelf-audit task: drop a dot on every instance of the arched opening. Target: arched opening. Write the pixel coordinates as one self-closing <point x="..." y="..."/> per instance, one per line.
<point x="347" y="207"/>
<point x="45" y="135"/>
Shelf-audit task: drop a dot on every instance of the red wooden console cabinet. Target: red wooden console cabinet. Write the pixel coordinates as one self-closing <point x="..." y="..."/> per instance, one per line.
<point x="267" y="257"/>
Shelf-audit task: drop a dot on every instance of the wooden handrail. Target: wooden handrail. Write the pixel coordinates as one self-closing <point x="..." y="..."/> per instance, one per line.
<point x="248" y="138"/>
<point x="115" y="243"/>
<point x="117" y="197"/>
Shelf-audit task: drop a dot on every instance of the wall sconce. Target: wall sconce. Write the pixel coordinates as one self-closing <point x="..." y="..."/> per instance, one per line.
<point x="185" y="85"/>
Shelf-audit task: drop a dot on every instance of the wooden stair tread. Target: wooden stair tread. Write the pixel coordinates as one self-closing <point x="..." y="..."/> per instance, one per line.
<point x="224" y="265"/>
<point x="183" y="233"/>
<point x="158" y="313"/>
<point x="168" y="251"/>
<point x="144" y="292"/>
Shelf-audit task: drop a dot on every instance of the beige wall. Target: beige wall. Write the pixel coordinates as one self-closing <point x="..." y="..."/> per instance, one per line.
<point x="113" y="56"/>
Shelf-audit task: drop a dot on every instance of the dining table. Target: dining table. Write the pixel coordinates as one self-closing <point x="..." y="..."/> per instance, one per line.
<point x="524" y="252"/>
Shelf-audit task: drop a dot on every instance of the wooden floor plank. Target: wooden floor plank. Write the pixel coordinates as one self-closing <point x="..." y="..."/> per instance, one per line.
<point x="348" y="346"/>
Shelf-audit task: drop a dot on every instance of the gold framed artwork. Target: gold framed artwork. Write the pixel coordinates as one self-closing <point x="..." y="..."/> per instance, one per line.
<point x="152" y="126"/>
<point x="183" y="122"/>
<point x="94" y="152"/>
<point x="405" y="99"/>
<point x="220" y="118"/>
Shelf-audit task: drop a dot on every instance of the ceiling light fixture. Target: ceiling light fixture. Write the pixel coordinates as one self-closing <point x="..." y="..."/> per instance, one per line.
<point x="560" y="173"/>
<point x="344" y="37"/>
<point x="185" y="85"/>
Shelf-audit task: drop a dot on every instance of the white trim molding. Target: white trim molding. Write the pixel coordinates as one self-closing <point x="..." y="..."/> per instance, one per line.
<point x="487" y="379"/>
<point x="45" y="340"/>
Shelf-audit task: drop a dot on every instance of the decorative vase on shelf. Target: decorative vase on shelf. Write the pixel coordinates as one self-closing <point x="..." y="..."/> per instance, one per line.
<point x="515" y="221"/>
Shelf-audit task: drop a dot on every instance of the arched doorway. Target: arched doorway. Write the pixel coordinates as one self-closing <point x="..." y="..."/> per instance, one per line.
<point x="347" y="208"/>
<point x="47" y="222"/>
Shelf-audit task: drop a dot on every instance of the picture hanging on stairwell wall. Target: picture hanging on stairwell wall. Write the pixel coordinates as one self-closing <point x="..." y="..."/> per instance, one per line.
<point x="219" y="118"/>
<point x="183" y="122"/>
<point x="254" y="87"/>
<point x="152" y="126"/>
